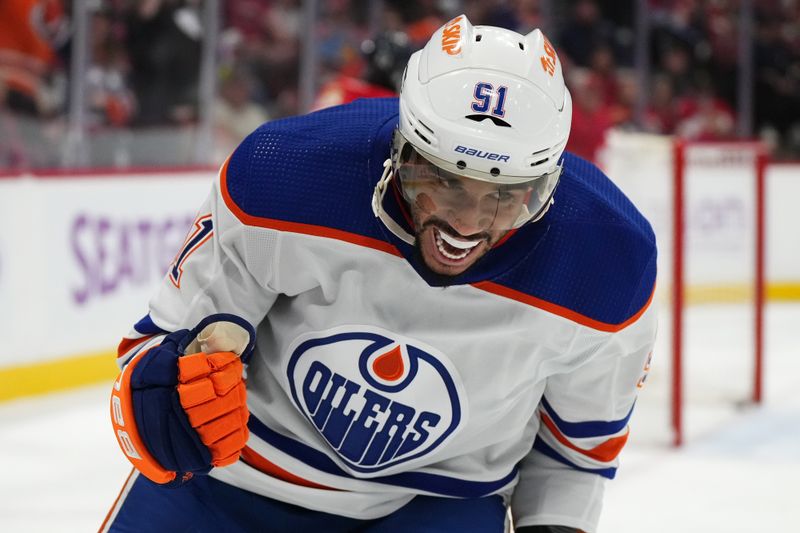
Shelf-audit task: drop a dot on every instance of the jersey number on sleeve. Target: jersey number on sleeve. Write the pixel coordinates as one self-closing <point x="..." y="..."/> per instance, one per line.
<point x="202" y="230"/>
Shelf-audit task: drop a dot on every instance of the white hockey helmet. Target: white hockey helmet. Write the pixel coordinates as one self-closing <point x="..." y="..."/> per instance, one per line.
<point x="489" y="104"/>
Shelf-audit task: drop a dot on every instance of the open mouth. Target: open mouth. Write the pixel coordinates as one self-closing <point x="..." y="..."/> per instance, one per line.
<point x="453" y="249"/>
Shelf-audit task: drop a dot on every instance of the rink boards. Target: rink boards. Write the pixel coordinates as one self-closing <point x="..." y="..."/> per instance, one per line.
<point x="81" y="254"/>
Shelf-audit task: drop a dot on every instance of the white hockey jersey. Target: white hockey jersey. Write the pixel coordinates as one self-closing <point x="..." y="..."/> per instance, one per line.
<point x="372" y="380"/>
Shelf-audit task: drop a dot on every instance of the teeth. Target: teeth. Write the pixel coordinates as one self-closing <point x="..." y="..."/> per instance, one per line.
<point x="457" y="243"/>
<point x="441" y="237"/>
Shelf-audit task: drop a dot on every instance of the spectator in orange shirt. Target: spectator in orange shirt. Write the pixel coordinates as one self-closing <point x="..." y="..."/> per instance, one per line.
<point x="29" y="32"/>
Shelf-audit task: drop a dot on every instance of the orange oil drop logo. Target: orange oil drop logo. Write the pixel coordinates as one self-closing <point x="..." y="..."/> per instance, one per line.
<point x="389" y="366"/>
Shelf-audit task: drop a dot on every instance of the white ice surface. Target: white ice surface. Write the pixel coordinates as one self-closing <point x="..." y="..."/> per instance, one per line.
<point x="61" y="469"/>
<point x="60" y="465"/>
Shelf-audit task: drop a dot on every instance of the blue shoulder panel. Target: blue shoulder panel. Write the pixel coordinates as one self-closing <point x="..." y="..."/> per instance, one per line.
<point x="598" y="255"/>
<point x="316" y="169"/>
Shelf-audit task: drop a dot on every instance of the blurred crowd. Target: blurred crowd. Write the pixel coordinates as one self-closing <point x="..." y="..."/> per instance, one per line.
<point x="145" y="63"/>
<point x="693" y="56"/>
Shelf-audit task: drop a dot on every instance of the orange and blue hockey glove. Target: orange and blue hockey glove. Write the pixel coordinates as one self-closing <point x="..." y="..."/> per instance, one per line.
<point x="179" y="415"/>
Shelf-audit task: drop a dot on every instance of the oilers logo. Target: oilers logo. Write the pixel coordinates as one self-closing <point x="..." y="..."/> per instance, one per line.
<point x="377" y="399"/>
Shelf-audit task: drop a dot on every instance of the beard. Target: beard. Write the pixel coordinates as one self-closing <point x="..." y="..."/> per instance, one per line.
<point x="439" y="279"/>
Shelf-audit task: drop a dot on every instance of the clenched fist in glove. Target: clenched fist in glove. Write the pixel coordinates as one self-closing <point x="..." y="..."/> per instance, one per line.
<point x="178" y="415"/>
<point x="212" y="394"/>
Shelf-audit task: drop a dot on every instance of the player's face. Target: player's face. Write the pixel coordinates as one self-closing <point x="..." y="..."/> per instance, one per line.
<point x="459" y="219"/>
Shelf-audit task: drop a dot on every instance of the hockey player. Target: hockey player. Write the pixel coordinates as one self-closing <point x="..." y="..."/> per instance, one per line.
<point x="386" y="57"/>
<point x="308" y="366"/>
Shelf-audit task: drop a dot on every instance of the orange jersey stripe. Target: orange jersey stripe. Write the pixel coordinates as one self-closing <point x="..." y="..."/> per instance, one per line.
<point x="299" y="227"/>
<point x="569" y="314"/>
<point x="116" y="501"/>
<point x="605" y="452"/>
<point x="126" y="344"/>
<point x="263" y="465"/>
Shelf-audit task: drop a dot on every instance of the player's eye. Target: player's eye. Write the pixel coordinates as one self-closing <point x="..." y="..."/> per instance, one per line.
<point x="502" y="196"/>
<point x="449" y="182"/>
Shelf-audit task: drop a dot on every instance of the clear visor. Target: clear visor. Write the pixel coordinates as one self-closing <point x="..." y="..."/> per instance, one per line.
<point x="473" y="204"/>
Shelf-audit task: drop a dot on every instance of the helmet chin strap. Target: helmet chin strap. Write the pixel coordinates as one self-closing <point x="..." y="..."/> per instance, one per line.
<point x="377" y="205"/>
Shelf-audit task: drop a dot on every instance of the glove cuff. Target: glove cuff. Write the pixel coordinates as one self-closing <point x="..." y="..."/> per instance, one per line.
<point x="124" y="422"/>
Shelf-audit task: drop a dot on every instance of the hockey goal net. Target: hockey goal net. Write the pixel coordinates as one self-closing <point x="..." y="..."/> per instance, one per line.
<point x="705" y="201"/>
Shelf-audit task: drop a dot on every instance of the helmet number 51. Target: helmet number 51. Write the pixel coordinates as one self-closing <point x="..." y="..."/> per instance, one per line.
<point x="484" y="93"/>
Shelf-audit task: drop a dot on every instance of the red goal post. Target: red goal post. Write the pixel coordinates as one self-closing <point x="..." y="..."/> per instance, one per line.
<point x="705" y="201"/>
